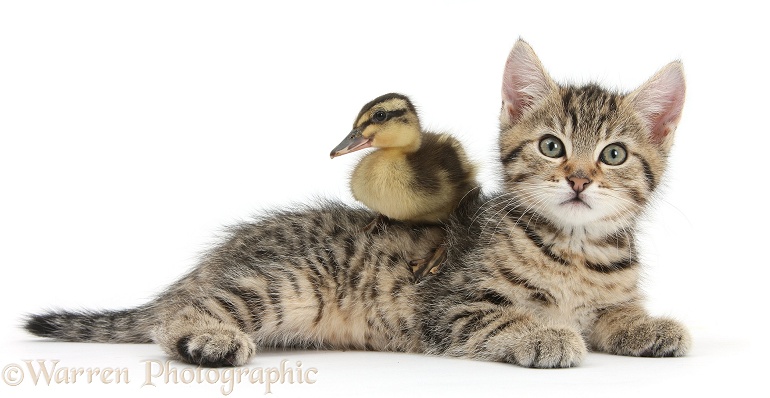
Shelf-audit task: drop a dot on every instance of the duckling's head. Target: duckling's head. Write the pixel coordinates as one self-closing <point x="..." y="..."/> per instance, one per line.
<point x="389" y="121"/>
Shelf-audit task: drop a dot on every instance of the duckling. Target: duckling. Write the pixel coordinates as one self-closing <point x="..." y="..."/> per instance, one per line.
<point x="414" y="176"/>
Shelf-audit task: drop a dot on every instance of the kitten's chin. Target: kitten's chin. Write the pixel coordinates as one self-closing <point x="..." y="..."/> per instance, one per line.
<point x="575" y="203"/>
<point x="588" y="212"/>
<point x="575" y="211"/>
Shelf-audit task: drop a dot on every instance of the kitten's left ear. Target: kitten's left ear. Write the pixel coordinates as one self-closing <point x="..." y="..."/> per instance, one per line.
<point x="525" y="83"/>
<point x="659" y="102"/>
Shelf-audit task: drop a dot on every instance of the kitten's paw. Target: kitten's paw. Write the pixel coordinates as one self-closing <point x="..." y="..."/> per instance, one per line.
<point x="652" y="337"/>
<point x="549" y="348"/>
<point x="216" y="348"/>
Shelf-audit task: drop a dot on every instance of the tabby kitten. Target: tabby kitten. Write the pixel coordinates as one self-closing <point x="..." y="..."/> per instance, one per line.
<point x="535" y="275"/>
<point x="554" y="269"/>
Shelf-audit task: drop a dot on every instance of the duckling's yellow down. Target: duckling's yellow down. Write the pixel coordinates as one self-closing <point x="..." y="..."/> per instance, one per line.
<point x="413" y="175"/>
<point x="388" y="182"/>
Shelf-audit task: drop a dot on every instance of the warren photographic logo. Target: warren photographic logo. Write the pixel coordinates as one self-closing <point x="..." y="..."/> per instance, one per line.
<point x="157" y="373"/>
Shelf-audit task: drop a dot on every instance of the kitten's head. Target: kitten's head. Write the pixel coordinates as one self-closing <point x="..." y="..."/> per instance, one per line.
<point x="584" y="155"/>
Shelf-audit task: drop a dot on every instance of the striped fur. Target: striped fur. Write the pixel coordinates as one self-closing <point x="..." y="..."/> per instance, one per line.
<point x="530" y="278"/>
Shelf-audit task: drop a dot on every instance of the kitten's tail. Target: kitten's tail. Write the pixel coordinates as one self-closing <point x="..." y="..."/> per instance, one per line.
<point x="125" y="326"/>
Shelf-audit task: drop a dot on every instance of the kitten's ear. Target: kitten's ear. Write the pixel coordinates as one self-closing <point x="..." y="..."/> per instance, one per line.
<point x="659" y="102"/>
<point x="525" y="83"/>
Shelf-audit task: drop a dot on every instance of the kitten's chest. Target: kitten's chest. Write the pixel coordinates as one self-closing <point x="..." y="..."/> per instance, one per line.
<point x="558" y="284"/>
<point x="579" y="293"/>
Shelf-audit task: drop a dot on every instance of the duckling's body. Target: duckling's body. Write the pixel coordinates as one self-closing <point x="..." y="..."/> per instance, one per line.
<point x="413" y="176"/>
<point x="423" y="186"/>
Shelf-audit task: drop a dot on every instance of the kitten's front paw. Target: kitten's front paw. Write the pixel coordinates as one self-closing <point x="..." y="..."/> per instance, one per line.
<point x="216" y="348"/>
<point x="549" y="348"/>
<point x="652" y="337"/>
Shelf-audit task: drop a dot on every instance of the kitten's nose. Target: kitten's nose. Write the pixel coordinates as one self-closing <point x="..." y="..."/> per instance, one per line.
<point x="578" y="184"/>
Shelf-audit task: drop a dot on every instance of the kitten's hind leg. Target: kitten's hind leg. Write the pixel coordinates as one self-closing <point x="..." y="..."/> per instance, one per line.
<point x="197" y="336"/>
<point x="628" y="330"/>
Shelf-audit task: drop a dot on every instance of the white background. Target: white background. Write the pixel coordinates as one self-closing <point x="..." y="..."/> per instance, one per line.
<point x="132" y="132"/>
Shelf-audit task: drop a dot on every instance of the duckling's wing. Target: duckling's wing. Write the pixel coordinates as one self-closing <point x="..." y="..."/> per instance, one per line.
<point x="445" y="153"/>
<point x="441" y="175"/>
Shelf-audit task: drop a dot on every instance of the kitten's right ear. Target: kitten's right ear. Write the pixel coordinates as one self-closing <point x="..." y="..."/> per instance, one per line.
<point x="525" y="82"/>
<point x="659" y="102"/>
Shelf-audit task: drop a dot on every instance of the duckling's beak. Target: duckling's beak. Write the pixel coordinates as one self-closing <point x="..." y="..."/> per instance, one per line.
<point x="353" y="142"/>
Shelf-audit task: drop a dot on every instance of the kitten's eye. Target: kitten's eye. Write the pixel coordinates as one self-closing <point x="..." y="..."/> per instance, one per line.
<point x="380" y="116"/>
<point x="613" y="154"/>
<point x="552" y="147"/>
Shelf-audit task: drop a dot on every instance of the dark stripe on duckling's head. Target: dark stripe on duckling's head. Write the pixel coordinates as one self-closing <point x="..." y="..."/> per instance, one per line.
<point x="388" y="116"/>
<point x="384" y="98"/>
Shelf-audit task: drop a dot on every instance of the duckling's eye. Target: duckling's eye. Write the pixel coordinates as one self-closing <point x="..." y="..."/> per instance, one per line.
<point x="613" y="154"/>
<point x="380" y="116"/>
<point x="552" y="147"/>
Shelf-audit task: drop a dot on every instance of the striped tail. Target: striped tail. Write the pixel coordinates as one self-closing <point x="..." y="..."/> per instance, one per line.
<point x="124" y="326"/>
